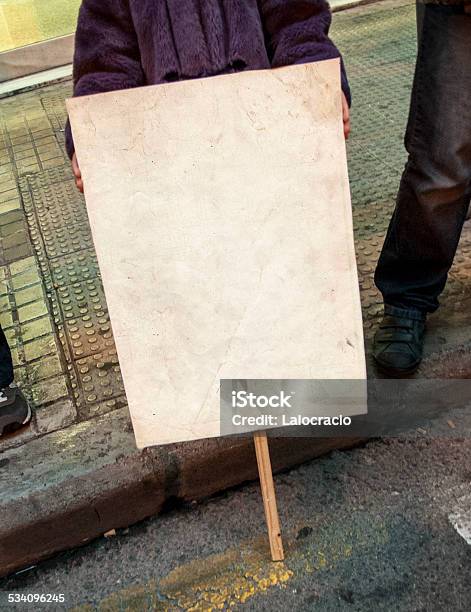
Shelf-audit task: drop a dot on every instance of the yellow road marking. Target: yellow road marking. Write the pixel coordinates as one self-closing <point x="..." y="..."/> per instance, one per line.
<point x="232" y="578"/>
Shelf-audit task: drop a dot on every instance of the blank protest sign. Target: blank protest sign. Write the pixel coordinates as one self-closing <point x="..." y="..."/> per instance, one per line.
<point x="221" y="217"/>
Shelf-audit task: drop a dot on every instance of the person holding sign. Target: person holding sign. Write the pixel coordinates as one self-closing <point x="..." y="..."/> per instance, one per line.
<point x="232" y="131"/>
<point x="121" y="44"/>
<point x="435" y="189"/>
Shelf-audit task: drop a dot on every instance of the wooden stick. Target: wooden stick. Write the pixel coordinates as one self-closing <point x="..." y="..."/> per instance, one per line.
<point x="268" y="494"/>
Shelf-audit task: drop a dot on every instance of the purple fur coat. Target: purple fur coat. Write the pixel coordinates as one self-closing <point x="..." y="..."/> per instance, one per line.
<point x="129" y="43"/>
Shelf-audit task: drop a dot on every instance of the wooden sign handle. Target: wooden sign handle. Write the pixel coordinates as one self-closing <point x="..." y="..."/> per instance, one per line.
<point x="268" y="494"/>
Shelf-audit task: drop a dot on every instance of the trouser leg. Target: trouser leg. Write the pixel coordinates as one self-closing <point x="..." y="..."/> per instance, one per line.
<point x="435" y="187"/>
<point x="420" y="20"/>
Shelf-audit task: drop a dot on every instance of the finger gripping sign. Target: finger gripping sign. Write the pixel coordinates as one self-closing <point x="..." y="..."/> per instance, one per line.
<point x="220" y="212"/>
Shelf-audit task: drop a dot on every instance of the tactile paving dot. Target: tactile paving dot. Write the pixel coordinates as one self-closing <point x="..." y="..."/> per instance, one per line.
<point x="89" y="411"/>
<point x="56" y="213"/>
<point x="54" y="105"/>
<point x="98" y="379"/>
<point x="59" y="174"/>
<point x="85" y="316"/>
<point x="74" y="268"/>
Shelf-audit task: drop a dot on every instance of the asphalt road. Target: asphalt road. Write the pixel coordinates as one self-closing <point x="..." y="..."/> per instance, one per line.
<point x="382" y="527"/>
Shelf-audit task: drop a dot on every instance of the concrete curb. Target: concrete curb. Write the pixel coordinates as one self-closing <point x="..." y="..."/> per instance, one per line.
<point x="73" y="486"/>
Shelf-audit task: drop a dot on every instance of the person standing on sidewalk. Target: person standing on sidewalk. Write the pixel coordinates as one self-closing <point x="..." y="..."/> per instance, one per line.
<point x="130" y="43"/>
<point x="14" y="408"/>
<point x="435" y="188"/>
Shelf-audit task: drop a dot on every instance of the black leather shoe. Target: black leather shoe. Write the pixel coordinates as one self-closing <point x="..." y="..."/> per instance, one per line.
<point x="398" y="345"/>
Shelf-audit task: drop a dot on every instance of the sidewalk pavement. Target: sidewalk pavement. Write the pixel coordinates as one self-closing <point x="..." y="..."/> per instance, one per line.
<point x="75" y="473"/>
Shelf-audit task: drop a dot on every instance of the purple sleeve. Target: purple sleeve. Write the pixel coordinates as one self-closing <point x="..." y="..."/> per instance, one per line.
<point x="106" y="54"/>
<point x="297" y="31"/>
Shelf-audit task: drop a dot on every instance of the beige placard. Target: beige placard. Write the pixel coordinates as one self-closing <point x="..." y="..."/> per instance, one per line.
<point x="220" y="211"/>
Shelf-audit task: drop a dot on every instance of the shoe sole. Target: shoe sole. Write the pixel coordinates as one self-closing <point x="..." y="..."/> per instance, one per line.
<point x="12" y="427"/>
<point x="394" y="373"/>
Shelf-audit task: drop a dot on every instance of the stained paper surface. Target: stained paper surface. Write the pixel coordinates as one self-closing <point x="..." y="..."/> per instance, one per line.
<point x="221" y="216"/>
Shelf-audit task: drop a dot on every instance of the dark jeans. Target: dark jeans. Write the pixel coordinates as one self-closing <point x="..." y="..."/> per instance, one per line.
<point x="6" y="365"/>
<point x="435" y="188"/>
